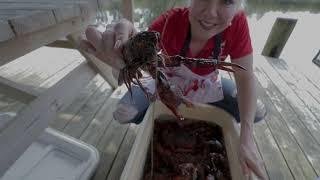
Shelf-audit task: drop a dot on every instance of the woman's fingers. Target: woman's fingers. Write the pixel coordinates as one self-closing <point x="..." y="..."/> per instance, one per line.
<point x="244" y="166"/>
<point x="123" y="30"/>
<point x="114" y="56"/>
<point x="108" y="37"/>
<point x="250" y="162"/>
<point x="87" y="47"/>
<point x="95" y="38"/>
<point x="107" y="46"/>
<point x="256" y="166"/>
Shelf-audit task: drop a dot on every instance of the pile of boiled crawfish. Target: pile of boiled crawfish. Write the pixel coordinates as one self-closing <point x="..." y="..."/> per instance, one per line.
<point x="142" y="53"/>
<point x="194" y="151"/>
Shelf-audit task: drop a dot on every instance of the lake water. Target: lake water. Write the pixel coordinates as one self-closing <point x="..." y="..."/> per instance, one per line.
<point x="304" y="42"/>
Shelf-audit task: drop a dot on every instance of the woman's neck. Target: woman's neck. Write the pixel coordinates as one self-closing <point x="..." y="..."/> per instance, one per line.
<point x="196" y="45"/>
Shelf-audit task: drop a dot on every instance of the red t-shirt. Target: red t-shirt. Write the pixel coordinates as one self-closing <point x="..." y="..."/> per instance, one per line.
<point x="173" y="27"/>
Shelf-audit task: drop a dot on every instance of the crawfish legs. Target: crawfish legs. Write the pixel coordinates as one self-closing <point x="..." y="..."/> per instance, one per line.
<point x="171" y="98"/>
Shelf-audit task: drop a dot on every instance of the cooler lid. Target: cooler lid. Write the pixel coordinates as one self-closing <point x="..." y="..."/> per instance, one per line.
<point x="16" y="135"/>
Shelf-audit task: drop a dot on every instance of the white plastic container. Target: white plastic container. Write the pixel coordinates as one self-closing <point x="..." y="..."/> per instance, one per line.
<point x="135" y="164"/>
<point x="55" y="156"/>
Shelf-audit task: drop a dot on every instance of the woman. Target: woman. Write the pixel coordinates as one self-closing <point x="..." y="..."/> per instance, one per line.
<point x="206" y="29"/>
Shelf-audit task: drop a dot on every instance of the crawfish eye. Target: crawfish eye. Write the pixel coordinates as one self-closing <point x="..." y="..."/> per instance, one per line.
<point x="155" y="36"/>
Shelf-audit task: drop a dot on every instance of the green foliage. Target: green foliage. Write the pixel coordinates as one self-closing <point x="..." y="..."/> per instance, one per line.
<point x="147" y="10"/>
<point x="263" y="6"/>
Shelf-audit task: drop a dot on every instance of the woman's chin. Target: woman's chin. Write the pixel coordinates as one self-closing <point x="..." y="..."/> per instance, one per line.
<point x="206" y="33"/>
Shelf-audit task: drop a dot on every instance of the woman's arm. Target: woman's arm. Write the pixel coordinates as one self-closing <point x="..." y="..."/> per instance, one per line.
<point x="247" y="99"/>
<point x="246" y="94"/>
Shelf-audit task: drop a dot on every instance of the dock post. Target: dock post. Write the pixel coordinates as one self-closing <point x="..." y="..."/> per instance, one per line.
<point x="278" y="37"/>
<point x="127" y="9"/>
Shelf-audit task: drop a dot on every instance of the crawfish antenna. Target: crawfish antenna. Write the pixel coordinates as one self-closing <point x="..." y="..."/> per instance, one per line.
<point x="163" y="32"/>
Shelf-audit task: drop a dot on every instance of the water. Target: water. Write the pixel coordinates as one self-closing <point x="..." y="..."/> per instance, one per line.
<point x="304" y="42"/>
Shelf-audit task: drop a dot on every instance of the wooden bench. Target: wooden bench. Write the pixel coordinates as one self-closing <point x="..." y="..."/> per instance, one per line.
<point x="83" y="100"/>
<point x="26" y="26"/>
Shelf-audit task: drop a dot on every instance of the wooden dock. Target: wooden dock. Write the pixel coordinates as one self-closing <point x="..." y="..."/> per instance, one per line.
<point x="287" y="141"/>
<point x="37" y="82"/>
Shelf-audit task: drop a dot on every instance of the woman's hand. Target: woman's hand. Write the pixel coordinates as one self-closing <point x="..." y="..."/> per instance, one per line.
<point x="107" y="45"/>
<point x="248" y="158"/>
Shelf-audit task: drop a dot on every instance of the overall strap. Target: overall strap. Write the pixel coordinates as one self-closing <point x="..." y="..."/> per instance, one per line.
<point x="186" y="44"/>
<point x="217" y="48"/>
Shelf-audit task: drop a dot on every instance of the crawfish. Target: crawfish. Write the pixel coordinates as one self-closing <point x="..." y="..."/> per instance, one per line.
<point x="142" y="52"/>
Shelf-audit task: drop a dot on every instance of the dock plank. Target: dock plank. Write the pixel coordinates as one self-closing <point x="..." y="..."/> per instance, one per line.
<point x="297" y="162"/>
<point x="303" y="81"/>
<point x="108" y="147"/>
<point x="63" y="118"/>
<point x="300" y="109"/>
<point x="308" y="70"/>
<point x="80" y="122"/>
<point x="259" y="156"/>
<point x="101" y="121"/>
<point x="106" y="134"/>
<point x="306" y="141"/>
<point x="274" y="161"/>
<point x="306" y="91"/>
<point x="123" y="154"/>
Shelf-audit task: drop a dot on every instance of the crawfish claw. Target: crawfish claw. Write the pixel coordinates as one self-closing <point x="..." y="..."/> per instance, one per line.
<point x="223" y="64"/>
<point x="177" y="60"/>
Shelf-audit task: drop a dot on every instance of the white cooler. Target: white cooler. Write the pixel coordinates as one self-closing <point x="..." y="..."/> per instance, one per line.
<point x="54" y="156"/>
<point x="133" y="169"/>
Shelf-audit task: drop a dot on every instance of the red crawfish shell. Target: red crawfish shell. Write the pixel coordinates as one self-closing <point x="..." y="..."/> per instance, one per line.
<point x="141" y="48"/>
